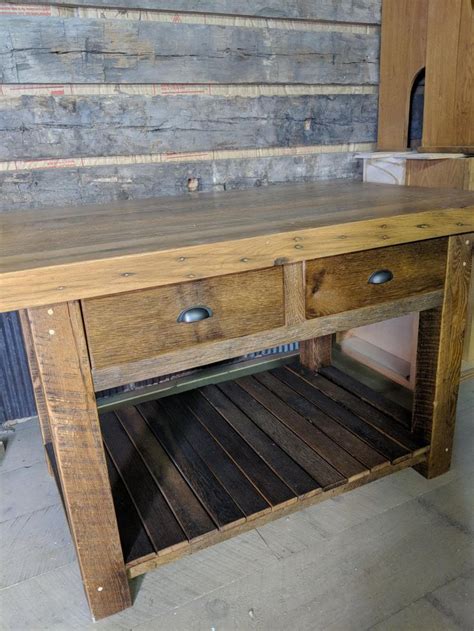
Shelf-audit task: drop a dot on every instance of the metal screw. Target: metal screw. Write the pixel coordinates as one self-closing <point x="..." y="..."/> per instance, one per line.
<point x="51" y="331"/>
<point x="50" y="311"/>
<point x="99" y="589"/>
<point x="299" y="246"/>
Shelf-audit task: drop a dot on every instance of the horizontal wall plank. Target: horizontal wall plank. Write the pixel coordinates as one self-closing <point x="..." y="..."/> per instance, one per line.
<point x="79" y="50"/>
<point x="358" y="11"/>
<point x="57" y="187"/>
<point x="45" y="127"/>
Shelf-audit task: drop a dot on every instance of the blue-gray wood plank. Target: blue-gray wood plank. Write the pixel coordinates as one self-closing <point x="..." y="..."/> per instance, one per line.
<point x="16" y="392"/>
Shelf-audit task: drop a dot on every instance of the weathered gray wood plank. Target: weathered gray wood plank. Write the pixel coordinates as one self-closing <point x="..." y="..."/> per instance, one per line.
<point x="78" y="50"/>
<point x="359" y="11"/>
<point x="47" y="127"/>
<point x="46" y="187"/>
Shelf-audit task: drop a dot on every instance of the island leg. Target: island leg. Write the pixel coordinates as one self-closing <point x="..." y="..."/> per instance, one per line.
<point x="63" y="365"/>
<point x="440" y="348"/>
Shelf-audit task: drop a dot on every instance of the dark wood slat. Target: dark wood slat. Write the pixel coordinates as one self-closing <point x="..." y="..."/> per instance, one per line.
<point x="268" y="483"/>
<point x="133" y="537"/>
<point x="342" y="436"/>
<point x="191" y="515"/>
<point x="373" y="437"/>
<point x="292" y="474"/>
<point x="239" y="487"/>
<point x="363" y="410"/>
<point x="205" y="485"/>
<point x="348" y="466"/>
<point x="161" y="525"/>
<point x="312" y="463"/>
<point x="383" y="404"/>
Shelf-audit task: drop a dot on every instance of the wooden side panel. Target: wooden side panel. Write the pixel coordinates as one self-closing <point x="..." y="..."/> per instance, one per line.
<point x="449" y="173"/>
<point x="58" y="50"/>
<point x="340" y="283"/>
<point x="137" y="325"/>
<point x="449" y="89"/>
<point x="440" y="346"/>
<point x="69" y="395"/>
<point x="402" y="56"/>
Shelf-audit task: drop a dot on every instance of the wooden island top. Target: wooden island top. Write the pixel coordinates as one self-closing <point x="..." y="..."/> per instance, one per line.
<point x="53" y="255"/>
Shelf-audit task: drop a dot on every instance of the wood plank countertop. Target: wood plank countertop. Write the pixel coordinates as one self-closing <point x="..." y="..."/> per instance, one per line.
<point x="56" y="254"/>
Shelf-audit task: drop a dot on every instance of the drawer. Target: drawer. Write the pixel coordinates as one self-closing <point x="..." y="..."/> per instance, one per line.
<point x="142" y="324"/>
<point x="350" y="281"/>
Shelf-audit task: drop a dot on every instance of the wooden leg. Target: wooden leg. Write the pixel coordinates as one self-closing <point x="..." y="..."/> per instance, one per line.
<point x="36" y="381"/>
<point x="63" y="366"/>
<point x="316" y="353"/>
<point x="440" y="347"/>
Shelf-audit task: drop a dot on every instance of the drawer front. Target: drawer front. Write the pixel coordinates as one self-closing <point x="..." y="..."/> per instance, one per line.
<point x="142" y="324"/>
<point x="349" y="281"/>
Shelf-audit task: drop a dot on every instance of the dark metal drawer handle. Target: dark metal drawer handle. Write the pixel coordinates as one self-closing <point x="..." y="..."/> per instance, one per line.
<point x="194" y="314"/>
<point x="380" y="277"/>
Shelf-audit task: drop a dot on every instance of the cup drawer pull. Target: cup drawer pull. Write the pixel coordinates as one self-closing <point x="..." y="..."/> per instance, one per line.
<point x="194" y="314"/>
<point x="380" y="276"/>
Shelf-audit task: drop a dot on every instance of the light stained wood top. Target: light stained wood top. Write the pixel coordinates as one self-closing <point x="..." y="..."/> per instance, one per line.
<point x="56" y="254"/>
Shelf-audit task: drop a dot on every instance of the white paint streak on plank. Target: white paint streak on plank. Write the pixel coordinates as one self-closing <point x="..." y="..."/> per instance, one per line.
<point x="66" y="163"/>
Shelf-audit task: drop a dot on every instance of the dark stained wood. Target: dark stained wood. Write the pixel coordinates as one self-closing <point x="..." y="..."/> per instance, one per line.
<point x="159" y="520"/>
<point x="440" y="347"/>
<point x="348" y="466"/>
<point x="341" y="283"/>
<point x="339" y="434"/>
<point x="133" y="537"/>
<point x="193" y="518"/>
<point x="316" y="353"/>
<point x="204" y="484"/>
<point x="373" y="437"/>
<point x="145" y="565"/>
<point x="268" y="483"/>
<point x="318" y="468"/>
<point x="64" y="369"/>
<point x="363" y="410"/>
<point x="123" y="246"/>
<point x="240" y="305"/>
<point x="396" y="411"/>
<point x="291" y="473"/>
<point x="235" y="482"/>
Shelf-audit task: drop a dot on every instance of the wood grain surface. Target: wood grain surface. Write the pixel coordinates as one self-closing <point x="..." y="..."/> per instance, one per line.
<point x="363" y="11"/>
<point x="210" y="352"/>
<point x="341" y="283"/>
<point x="69" y="395"/>
<point x="58" y="50"/>
<point x="402" y="57"/>
<point x="449" y="89"/>
<point x="440" y="349"/>
<point x="51" y="255"/>
<point x="143" y="324"/>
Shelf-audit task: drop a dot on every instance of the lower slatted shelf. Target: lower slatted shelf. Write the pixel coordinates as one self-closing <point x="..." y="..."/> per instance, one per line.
<point x="192" y="469"/>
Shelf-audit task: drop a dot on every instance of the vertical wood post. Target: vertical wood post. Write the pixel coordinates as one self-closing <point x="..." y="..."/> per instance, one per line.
<point x="63" y="365"/>
<point x="440" y="348"/>
<point x="316" y="352"/>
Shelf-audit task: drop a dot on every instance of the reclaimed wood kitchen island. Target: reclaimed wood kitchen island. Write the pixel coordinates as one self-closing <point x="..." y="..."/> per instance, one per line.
<point x="127" y="291"/>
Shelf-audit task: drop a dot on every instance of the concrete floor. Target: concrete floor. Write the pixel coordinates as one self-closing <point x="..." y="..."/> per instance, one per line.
<point x="397" y="554"/>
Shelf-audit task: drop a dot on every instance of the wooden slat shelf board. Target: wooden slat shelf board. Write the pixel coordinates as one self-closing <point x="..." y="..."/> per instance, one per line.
<point x="193" y="469"/>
